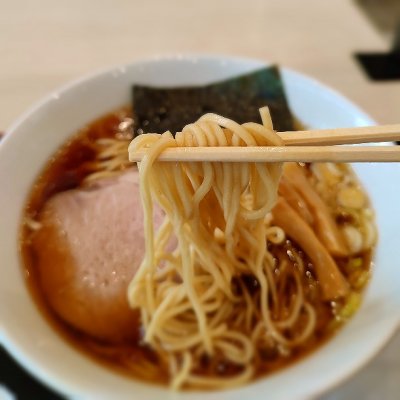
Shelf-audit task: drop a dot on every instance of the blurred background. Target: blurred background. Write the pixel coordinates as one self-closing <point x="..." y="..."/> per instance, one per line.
<point x="44" y="44"/>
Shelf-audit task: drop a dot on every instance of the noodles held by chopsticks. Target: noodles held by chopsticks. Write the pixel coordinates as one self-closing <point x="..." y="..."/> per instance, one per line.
<point x="194" y="304"/>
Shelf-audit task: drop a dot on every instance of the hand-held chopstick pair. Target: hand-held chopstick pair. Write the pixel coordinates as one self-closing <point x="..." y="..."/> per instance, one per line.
<point x="308" y="146"/>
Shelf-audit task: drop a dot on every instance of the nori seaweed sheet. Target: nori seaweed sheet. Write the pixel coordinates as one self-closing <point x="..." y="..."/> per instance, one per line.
<point x="157" y="110"/>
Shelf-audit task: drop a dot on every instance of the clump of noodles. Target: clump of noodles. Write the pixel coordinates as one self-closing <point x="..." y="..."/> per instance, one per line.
<point x="194" y="301"/>
<point x="111" y="153"/>
<point x="111" y="159"/>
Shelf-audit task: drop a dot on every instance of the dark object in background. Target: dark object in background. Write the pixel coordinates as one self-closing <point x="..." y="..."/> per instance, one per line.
<point x="20" y="383"/>
<point x="156" y="110"/>
<point x="385" y="16"/>
<point x="380" y="66"/>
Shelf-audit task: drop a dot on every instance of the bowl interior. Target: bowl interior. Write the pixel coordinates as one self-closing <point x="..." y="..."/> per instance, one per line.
<point x="36" y="135"/>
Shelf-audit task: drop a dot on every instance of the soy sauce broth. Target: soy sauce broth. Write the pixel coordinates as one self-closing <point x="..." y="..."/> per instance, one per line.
<point x="65" y="171"/>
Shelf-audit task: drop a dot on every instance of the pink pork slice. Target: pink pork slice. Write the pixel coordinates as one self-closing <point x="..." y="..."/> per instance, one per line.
<point x="88" y="249"/>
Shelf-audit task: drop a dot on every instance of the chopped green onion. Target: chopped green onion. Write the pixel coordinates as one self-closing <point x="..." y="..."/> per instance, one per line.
<point x="354" y="264"/>
<point x="352" y="304"/>
<point x="361" y="280"/>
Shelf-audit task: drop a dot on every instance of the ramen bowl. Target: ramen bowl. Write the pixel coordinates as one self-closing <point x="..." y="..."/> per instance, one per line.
<point x="32" y="140"/>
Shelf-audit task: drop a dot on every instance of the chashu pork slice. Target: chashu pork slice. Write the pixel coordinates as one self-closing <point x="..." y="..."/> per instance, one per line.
<point x="89" y="247"/>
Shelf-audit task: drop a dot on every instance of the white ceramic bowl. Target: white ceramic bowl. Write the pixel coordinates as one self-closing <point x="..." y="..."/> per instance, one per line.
<point x="36" y="135"/>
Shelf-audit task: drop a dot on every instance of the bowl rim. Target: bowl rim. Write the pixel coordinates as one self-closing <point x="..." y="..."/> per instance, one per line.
<point x="60" y="385"/>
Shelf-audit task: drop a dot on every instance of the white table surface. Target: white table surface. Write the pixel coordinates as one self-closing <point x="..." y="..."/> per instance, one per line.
<point x="45" y="43"/>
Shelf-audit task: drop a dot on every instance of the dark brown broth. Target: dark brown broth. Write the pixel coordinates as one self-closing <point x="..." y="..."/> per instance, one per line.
<point x="66" y="170"/>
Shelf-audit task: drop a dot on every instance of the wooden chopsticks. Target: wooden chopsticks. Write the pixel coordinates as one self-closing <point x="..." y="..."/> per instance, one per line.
<point x="309" y="146"/>
<point x="324" y="137"/>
